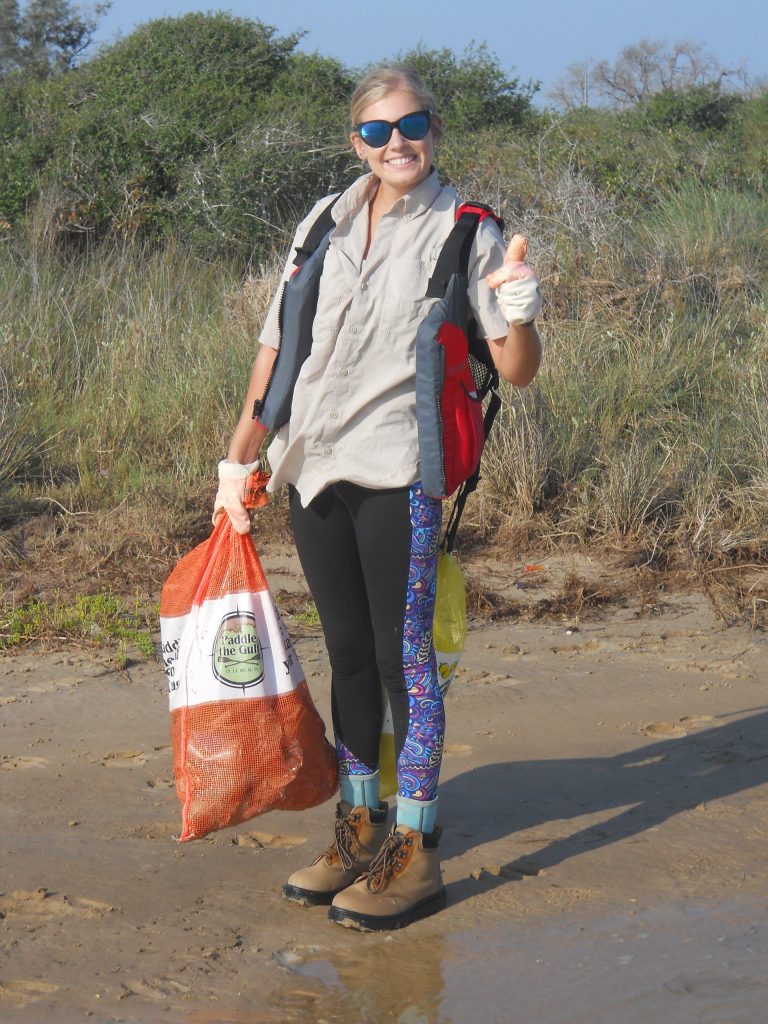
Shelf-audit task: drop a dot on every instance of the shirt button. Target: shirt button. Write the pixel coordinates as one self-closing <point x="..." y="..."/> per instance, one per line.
<point x="344" y="372"/>
<point x="334" y="415"/>
<point x="353" y="330"/>
<point x="363" y="286"/>
<point x="328" y="450"/>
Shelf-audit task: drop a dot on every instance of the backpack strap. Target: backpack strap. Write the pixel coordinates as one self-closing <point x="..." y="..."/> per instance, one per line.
<point x="316" y="233"/>
<point x="454" y="256"/>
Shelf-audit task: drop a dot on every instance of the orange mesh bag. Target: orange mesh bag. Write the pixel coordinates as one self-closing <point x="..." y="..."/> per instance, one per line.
<point x="246" y="735"/>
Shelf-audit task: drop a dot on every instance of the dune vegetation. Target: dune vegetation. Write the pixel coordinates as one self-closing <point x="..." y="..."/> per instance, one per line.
<point x="147" y="197"/>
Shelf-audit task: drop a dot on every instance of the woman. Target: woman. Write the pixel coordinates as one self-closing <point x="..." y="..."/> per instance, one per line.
<point x="366" y="533"/>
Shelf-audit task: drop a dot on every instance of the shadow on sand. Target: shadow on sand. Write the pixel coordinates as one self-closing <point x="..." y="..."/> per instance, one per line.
<point x="658" y="780"/>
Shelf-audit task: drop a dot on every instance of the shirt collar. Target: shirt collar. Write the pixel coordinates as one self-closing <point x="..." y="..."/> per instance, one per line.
<point x="360" y="192"/>
<point x="420" y="199"/>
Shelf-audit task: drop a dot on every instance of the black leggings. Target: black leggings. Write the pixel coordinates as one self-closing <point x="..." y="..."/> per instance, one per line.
<point x="370" y="559"/>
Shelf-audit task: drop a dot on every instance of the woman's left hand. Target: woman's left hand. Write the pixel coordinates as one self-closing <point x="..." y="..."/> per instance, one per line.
<point x="517" y="287"/>
<point x="230" y="497"/>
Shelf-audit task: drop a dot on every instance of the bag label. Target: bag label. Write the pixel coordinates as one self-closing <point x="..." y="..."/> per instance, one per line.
<point x="231" y="648"/>
<point x="238" y="659"/>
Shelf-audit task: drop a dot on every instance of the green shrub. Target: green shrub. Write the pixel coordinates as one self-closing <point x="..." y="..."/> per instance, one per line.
<point x="752" y="141"/>
<point x="703" y="107"/>
<point x="473" y="91"/>
<point x="208" y="126"/>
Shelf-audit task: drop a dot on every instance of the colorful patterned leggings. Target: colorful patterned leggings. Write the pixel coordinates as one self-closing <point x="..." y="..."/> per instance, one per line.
<point x="370" y="558"/>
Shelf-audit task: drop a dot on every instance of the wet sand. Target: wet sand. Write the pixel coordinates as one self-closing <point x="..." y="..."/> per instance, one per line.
<point x="604" y="850"/>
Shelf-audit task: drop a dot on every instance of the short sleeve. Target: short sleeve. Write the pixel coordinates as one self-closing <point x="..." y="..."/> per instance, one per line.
<point x="270" y="331"/>
<point x="487" y="255"/>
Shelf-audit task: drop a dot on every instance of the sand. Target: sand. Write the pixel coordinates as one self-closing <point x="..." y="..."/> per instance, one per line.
<point x="604" y="849"/>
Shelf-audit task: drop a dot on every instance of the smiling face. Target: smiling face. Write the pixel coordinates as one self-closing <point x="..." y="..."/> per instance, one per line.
<point x="401" y="164"/>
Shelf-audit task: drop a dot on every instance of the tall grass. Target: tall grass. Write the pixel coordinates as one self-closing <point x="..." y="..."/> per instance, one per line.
<point x="131" y="361"/>
<point x="709" y="243"/>
<point x="647" y="422"/>
<point x="18" y="448"/>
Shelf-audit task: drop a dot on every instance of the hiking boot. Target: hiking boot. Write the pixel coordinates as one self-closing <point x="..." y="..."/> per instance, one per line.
<point x="402" y="884"/>
<point x="360" y="831"/>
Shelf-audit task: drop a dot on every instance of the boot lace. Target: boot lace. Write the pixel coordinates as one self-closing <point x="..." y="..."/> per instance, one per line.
<point x="344" y="842"/>
<point x="388" y="861"/>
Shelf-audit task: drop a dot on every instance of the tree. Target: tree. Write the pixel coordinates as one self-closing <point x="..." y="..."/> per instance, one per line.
<point x="206" y="127"/>
<point x="9" y="35"/>
<point x="574" y="89"/>
<point x="753" y="151"/>
<point x="639" y="72"/>
<point x="473" y="91"/>
<point x="46" y="37"/>
<point x="703" y="107"/>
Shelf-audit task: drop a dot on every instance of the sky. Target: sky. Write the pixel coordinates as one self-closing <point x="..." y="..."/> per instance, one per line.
<point x="533" y="40"/>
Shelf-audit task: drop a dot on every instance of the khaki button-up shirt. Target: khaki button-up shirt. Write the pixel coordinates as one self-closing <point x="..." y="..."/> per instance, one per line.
<point x="353" y="415"/>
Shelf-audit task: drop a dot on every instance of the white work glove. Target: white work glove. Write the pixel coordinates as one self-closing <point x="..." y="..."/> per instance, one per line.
<point x="229" y="497"/>
<point x="517" y="288"/>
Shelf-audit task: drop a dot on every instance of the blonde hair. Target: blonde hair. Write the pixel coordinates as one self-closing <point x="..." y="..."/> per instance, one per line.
<point x="381" y="81"/>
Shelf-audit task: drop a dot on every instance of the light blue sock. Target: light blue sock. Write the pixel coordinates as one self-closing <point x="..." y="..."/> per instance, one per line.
<point x="360" y="790"/>
<point x="420" y="815"/>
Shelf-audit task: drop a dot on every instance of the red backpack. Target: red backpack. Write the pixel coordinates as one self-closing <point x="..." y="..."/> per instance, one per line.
<point x="454" y="374"/>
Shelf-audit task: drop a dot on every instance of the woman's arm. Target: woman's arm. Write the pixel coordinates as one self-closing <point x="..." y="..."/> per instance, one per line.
<point x="518" y="356"/>
<point x="249" y="434"/>
<point x="244" y="448"/>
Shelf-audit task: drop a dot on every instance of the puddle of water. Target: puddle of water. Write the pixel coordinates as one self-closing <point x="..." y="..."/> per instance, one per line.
<point x="679" y="964"/>
<point x="322" y="970"/>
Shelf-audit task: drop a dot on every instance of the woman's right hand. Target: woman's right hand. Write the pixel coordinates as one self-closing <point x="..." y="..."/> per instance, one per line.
<point x="231" y="493"/>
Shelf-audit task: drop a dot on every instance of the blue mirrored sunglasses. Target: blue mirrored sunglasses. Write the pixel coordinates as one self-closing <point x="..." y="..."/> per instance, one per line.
<point x="378" y="133"/>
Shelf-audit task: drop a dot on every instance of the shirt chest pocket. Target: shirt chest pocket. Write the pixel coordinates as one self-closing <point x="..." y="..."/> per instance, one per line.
<point x="403" y="294"/>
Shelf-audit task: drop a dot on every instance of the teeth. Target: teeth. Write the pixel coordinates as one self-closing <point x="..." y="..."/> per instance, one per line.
<point x="399" y="160"/>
